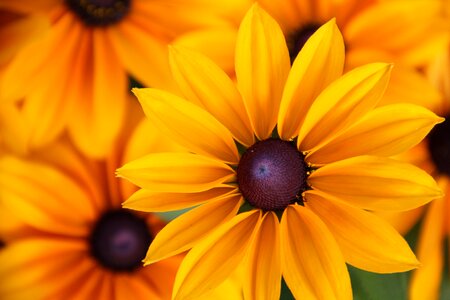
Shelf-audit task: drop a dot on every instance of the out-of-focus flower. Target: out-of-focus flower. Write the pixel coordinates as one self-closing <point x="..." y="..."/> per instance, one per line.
<point x="407" y="33"/>
<point x="75" y="77"/>
<point x="434" y="156"/>
<point x="67" y="236"/>
<point x="318" y="171"/>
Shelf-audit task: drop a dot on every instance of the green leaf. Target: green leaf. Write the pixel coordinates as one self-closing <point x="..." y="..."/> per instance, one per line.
<point x="372" y="286"/>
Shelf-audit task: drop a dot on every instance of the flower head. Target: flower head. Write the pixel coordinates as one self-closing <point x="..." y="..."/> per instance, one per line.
<point x="74" y="78"/>
<point x="66" y="235"/>
<point x="282" y="167"/>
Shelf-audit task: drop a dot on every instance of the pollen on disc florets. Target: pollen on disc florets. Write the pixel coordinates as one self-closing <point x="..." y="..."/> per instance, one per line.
<point x="439" y="146"/>
<point x="119" y="240"/>
<point x="99" y="12"/>
<point x="272" y="174"/>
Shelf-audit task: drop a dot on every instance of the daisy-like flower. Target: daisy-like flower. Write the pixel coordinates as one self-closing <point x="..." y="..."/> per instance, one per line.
<point x="66" y="235"/>
<point x="408" y="33"/>
<point x="432" y="155"/>
<point x="282" y="167"/>
<point x="75" y="77"/>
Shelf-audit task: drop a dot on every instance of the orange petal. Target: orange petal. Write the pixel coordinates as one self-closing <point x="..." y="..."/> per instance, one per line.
<point x="188" y="124"/>
<point x="201" y="221"/>
<point x="360" y="234"/>
<point x="262" y="66"/>
<point x="342" y="103"/>
<point x="214" y="258"/>
<point x="313" y="265"/>
<point x="169" y="172"/>
<point x="263" y="279"/>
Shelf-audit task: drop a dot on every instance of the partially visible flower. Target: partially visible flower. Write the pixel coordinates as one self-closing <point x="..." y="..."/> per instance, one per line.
<point x="434" y="156"/>
<point x="67" y="236"/>
<point x="304" y="144"/>
<point x="75" y="77"/>
<point x="407" y="33"/>
<point x="18" y="26"/>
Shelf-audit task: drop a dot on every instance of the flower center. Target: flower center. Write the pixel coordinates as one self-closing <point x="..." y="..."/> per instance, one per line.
<point x="272" y="174"/>
<point x="297" y="39"/>
<point x="439" y="146"/>
<point x="99" y="12"/>
<point x="120" y="240"/>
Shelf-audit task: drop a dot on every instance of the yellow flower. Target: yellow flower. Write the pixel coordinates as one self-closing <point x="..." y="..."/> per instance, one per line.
<point x="325" y="163"/>
<point x="67" y="236"/>
<point x="408" y="33"/>
<point x="434" y="156"/>
<point x="75" y="77"/>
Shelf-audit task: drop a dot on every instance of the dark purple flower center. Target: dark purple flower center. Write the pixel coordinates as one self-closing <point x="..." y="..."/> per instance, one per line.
<point x="99" y="12"/>
<point x="272" y="174"/>
<point x="119" y="240"/>
<point x="297" y="39"/>
<point x="439" y="146"/>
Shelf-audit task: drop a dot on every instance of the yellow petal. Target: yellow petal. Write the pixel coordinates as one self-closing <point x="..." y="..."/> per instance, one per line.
<point x="100" y="97"/>
<point x="320" y="62"/>
<point x="426" y="281"/>
<point x="151" y="201"/>
<point x="214" y="258"/>
<point x="223" y="39"/>
<point x="313" y="265"/>
<point x="342" y="103"/>
<point x="263" y="280"/>
<point x="144" y="57"/>
<point x="376" y="183"/>
<point x="188" y="124"/>
<point x="32" y="264"/>
<point x="417" y="21"/>
<point x="359" y="235"/>
<point x="411" y="86"/>
<point x="262" y="66"/>
<point x="203" y="83"/>
<point x="183" y="172"/>
<point x="288" y="14"/>
<point x="45" y="197"/>
<point x="385" y="131"/>
<point x="201" y="221"/>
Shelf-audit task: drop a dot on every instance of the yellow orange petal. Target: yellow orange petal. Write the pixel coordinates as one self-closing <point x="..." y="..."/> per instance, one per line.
<point x="313" y="265"/>
<point x="426" y="281"/>
<point x="184" y="172"/>
<point x="43" y="197"/>
<point x="150" y="201"/>
<point x="342" y="103"/>
<point x="201" y="221"/>
<point x="376" y="183"/>
<point x="262" y="66"/>
<point x="320" y="61"/>
<point x="188" y="124"/>
<point x="203" y="83"/>
<point x="100" y="105"/>
<point x="385" y="131"/>
<point x="410" y="86"/>
<point x="417" y="20"/>
<point x="216" y="43"/>
<point x="143" y="56"/>
<point x="263" y="280"/>
<point x="215" y="257"/>
<point x="359" y="235"/>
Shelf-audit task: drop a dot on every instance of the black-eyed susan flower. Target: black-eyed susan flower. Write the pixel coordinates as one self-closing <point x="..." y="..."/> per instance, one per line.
<point x="408" y="33"/>
<point x="282" y="168"/>
<point x="66" y="235"/>
<point x="433" y="155"/>
<point x="75" y="77"/>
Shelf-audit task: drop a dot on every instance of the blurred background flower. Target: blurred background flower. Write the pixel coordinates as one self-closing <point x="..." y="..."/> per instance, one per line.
<point x="65" y="233"/>
<point x="75" y="76"/>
